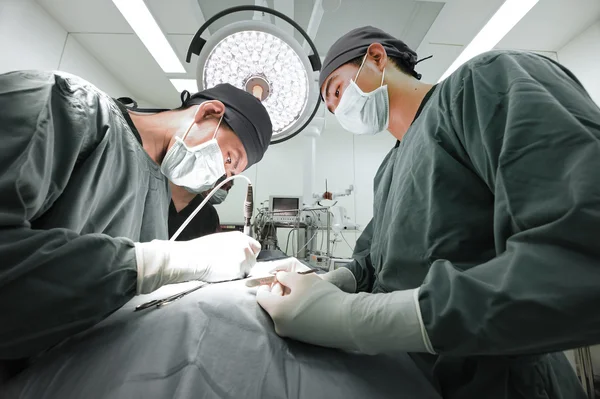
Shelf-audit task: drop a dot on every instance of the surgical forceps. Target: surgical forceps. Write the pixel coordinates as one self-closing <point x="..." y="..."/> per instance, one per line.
<point x="165" y="301"/>
<point x="255" y="282"/>
<point x="250" y="283"/>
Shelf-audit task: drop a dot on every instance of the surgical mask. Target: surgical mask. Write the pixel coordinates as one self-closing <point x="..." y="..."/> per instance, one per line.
<point x="364" y="113"/>
<point x="218" y="197"/>
<point x="195" y="169"/>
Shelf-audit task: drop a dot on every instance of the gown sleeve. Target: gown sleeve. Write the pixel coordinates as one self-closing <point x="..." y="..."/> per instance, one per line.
<point x="53" y="283"/>
<point x="533" y="135"/>
<point x="361" y="267"/>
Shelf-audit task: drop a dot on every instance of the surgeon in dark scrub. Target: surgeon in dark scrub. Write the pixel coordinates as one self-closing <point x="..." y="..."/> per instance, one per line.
<point x="482" y="257"/>
<point x="84" y="186"/>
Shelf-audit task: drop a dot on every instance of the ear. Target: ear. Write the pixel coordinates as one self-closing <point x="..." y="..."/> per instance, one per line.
<point x="212" y="108"/>
<point x="376" y="52"/>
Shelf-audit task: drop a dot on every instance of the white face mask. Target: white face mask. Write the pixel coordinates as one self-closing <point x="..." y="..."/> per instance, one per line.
<point x="218" y="197"/>
<point x="364" y="113"/>
<point x="195" y="169"/>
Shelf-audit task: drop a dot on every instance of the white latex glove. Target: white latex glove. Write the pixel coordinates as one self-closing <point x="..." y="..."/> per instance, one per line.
<point x="315" y="311"/>
<point x="341" y="278"/>
<point x="290" y="265"/>
<point x="271" y="267"/>
<point x="215" y="257"/>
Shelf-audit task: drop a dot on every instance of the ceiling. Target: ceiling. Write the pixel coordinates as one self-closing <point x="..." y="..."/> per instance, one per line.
<point x="434" y="28"/>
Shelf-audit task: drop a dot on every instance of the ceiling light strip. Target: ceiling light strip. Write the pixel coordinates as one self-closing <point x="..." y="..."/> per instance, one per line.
<point x="507" y="16"/>
<point x="144" y="25"/>
<point x="185" y="84"/>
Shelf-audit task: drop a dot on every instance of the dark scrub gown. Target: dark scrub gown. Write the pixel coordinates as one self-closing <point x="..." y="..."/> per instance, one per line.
<point x="77" y="190"/>
<point x="491" y="205"/>
<point x="205" y="222"/>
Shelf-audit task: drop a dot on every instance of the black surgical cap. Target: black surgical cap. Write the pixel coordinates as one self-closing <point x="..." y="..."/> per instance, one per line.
<point x="244" y="113"/>
<point x="355" y="43"/>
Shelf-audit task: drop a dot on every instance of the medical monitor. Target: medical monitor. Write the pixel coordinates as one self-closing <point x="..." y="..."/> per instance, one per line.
<point x="285" y="209"/>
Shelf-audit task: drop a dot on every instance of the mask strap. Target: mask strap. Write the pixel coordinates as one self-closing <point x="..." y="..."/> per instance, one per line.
<point x="190" y="128"/>
<point x="361" y="67"/>
<point x="218" y="125"/>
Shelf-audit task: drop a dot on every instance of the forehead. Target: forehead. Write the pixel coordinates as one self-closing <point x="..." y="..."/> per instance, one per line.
<point x="343" y="73"/>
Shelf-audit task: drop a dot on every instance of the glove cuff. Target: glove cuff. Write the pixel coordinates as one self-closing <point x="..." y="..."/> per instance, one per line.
<point x="151" y="259"/>
<point x="381" y="323"/>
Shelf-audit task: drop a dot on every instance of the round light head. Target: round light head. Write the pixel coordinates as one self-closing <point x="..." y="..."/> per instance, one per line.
<point x="264" y="61"/>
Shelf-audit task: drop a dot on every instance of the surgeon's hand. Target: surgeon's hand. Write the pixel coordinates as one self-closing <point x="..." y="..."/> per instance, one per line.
<point x="215" y="257"/>
<point x="341" y="278"/>
<point x="308" y="309"/>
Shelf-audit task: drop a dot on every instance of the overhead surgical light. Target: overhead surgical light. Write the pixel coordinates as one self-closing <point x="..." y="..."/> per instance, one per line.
<point x="265" y="61"/>
<point x="507" y="16"/>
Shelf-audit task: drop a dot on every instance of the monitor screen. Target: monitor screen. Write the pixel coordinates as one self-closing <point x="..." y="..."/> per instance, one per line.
<point x="285" y="206"/>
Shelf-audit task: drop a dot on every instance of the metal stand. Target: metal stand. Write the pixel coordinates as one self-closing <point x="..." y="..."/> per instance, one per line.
<point x="328" y="233"/>
<point x="585" y="370"/>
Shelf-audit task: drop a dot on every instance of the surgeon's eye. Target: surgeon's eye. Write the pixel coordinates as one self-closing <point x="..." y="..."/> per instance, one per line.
<point x="337" y="93"/>
<point x="228" y="159"/>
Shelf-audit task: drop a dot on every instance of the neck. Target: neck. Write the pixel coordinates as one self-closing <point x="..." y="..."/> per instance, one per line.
<point x="157" y="130"/>
<point x="406" y="95"/>
<point x="181" y="197"/>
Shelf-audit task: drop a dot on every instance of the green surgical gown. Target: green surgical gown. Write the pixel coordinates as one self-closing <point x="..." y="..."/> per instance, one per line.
<point x="491" y="205"/>
<point x="76" y="190"/>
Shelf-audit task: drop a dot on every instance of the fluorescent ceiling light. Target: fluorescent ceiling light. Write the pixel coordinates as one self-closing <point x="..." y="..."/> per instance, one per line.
<point x="138" y="16"/>
<point x="185" y="84"/>
<point x="507" y="16"/>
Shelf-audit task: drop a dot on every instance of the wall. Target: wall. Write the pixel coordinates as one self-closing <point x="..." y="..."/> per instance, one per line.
<point x="31" y="39"/>
<point x="582" y="56"/>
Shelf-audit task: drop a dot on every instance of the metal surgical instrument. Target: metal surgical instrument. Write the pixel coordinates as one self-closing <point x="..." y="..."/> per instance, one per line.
<point x="165" y="301"/>
<point x="255" y="282"/>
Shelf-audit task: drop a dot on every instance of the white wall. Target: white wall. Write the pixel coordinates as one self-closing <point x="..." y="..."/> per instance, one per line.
<point x="31" y="39"/>
<point x="582" y="56"/>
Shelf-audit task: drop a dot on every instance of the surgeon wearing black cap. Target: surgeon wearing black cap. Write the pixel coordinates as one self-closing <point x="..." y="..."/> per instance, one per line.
<point x="85" y="196"/>
<point x="482" y="255"/>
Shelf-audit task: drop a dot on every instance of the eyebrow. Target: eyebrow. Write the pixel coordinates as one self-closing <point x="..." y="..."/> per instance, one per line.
<point x="327" y="87"/>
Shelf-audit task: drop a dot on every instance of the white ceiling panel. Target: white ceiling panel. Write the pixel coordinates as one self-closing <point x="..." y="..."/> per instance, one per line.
<point x="302" y="11"/>
<point x="180" y="44"/>
<point x="395" y="17"/>
<point x="422" y="17"/>
<point x="460" y="20"/>
<point x="441" y="29"/>
<point x="212" y="7"/>
<point x="127" y="58"/>
<point x="175" y="16"/>
<point x="443" y="56"/>
<point x="95" y="16"/>
<point x="551" y="24"/>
